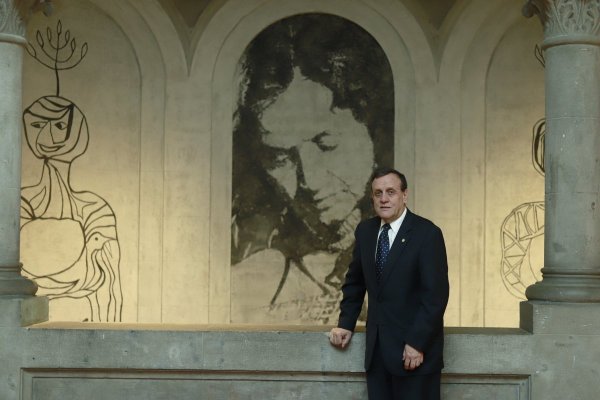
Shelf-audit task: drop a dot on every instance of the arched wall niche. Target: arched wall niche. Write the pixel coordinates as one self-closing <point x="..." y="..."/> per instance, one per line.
<point x="515" y="132"/>
<point x="493" y="63"/>
<point x="153" y="72"/>
<point x="455" y="122"/>
<point x="217" y="56"/>
<point x="136" y="163"/>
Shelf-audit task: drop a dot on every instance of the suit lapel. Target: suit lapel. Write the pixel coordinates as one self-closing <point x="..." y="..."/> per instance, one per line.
<point x="400" y="243"/>
<point x="371" y="246"/>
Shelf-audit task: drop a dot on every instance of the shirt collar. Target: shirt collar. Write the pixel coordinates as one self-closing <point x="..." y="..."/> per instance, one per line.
<point x="395" y="225"/>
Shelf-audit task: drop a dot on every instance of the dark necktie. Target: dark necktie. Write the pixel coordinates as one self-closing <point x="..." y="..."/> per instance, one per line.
<point x="383" y="249"/>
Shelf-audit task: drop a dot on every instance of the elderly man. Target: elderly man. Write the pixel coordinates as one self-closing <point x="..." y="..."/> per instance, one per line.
<point x="399" y="259"/>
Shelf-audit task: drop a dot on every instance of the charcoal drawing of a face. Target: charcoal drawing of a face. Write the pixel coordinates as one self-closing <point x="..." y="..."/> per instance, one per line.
<point x="55" y="128"/>
<point x="314" y="116"/>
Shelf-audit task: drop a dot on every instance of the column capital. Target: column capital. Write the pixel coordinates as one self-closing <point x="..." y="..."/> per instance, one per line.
<point x="566" y="21"/>
<point x="12" y="27"/>
<point x="14" y="15"/>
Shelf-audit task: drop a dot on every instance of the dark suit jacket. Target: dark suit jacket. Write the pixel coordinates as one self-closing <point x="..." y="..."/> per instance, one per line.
<point x="408" y="304"/>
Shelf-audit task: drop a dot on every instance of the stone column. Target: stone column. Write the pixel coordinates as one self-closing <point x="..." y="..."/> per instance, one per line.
<point x="571" y="47"/>
<point x="18" y="305"/>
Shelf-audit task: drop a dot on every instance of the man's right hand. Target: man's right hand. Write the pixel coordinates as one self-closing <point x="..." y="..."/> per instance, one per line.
<point x="340" y="337"/>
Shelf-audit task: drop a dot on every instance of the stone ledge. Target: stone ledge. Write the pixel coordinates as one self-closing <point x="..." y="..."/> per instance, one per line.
<point x="273" y="361"/>
<point x="185" y="327"/>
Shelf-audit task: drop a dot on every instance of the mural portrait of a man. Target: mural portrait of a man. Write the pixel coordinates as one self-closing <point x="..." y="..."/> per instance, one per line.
<point x="314" y="116"/>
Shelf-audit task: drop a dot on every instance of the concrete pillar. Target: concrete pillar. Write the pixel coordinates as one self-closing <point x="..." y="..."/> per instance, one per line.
<point x="18" y="305"/>
<point x="571" y="47"/>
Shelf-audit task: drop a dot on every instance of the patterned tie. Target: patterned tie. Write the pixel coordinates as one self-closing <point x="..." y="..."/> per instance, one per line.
<point x="383" y="249"/>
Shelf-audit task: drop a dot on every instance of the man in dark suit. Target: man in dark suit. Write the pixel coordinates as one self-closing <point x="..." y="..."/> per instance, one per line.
<point x="399" y="259"/>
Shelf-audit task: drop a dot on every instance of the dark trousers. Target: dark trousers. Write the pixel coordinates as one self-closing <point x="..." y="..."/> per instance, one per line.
<point x="381" y="385"/>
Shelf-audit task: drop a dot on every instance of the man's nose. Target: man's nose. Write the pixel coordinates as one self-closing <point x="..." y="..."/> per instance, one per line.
<point x="294" y="155"/>
<point x="310" y="174"/>
<point x="53" y="134"/>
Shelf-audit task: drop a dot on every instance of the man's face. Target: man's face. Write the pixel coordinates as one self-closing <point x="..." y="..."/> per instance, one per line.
<point x="322" y="150"/>
<point x="389" y="200"/>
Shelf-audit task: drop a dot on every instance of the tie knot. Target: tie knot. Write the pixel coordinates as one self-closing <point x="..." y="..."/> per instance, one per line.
<point x="385" y="228"/>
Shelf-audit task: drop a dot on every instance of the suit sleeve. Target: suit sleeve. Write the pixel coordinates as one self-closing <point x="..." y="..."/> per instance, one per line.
<point x="433" y="293"/>
<point x="353" y="289"/>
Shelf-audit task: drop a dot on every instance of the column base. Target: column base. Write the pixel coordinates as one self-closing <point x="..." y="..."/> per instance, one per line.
<point x="544" y="317"/>
<point x="13" y="284"/>
<point x="580" y="288"/>
<point x="23" y="311"/>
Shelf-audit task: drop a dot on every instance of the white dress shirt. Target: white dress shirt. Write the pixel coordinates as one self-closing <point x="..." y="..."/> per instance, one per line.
<point x="394" y="228"/>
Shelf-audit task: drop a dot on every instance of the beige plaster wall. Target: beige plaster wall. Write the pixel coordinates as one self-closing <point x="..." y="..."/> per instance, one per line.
<point x="159" y="110"/>
<point x="514" y="189"/>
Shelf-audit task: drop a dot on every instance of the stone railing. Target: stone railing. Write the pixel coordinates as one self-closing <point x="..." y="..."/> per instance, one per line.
<point x="554" y="358"/>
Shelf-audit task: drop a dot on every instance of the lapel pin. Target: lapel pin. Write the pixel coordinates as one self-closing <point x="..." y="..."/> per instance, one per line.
<point x="403" y="240"/>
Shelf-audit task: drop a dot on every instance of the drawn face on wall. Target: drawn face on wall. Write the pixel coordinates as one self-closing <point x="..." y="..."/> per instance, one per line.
<point x="314" y="115"/>
<point x="320" y="150"/>
<point x="55" y="129"/>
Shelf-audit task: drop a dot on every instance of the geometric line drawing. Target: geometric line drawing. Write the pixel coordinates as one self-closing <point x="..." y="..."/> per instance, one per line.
<point x="524" y="224"/>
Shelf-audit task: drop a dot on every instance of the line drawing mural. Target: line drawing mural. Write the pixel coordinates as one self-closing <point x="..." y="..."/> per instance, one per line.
<point x="522" y="231"/>
<point x="315" y="115"/>
<point x="519" y="230"/>
<point x="537" y="148"/>
<point x="72" y="232"/>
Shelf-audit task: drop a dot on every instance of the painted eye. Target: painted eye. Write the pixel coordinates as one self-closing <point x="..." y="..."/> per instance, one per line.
<point x="61" y="125"/>
<point x="39" y="124"/>
<point x="325" y="141"/>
